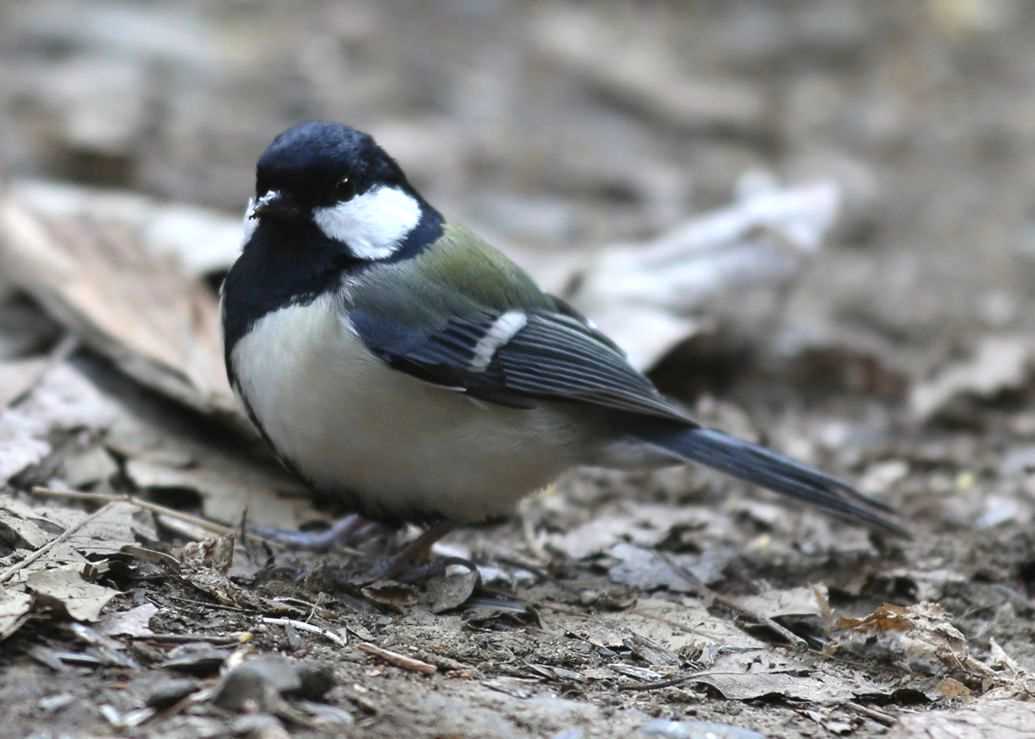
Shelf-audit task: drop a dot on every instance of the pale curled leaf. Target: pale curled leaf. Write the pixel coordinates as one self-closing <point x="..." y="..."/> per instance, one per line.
<point x="643" y="294"/>
<point x="138" y="308"/>
<point x="774" y="603"/>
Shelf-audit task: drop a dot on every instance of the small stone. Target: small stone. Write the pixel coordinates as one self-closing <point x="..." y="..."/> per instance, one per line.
<point x="259" y="726"/>
<point x="197" y="658"/>
<point x="171" y="691"/>
<point x="259" y="682"/>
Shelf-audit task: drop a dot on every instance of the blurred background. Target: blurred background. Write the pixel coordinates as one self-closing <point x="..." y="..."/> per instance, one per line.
<point x="570" y="123"/>
<point x="899" y="357"/>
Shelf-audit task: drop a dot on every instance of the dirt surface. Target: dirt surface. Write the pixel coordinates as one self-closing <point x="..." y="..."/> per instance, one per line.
<point x="614" y="602"/>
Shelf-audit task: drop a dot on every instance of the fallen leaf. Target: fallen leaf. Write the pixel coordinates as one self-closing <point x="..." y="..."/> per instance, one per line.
<point x="214" y="552"/>
<point x="134" y="622"/>
<point x="19" y="532"/>
<point x="773" y="603"/>
<point x="999" y="718"/>
<point x="167" y="451"/>
<point x="66" y="588"/>
<point x="452" y="590"/>
<point x="139" y="308"/>
<point x="953" y="689"/>
<point x="646" y="569"/>
<point x="889" y="617"/>
<point x="737" y="677"/>
<point x="396" y="596"/>
<point x="15" y="608"/>
<point x="922" y="637"/>
<point x="18" y="376"/>
<point x="998" y="363"/>
<point x="91" y="466"/>
<point x="64" y="399"/>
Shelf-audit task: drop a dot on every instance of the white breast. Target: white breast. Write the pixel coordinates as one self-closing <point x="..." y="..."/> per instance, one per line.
<point x="355" y="427"/>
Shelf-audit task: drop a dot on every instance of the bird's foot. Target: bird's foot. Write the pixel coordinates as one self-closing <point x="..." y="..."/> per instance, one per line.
<point x="347" y="531"/>
<point x="414" y="562"/>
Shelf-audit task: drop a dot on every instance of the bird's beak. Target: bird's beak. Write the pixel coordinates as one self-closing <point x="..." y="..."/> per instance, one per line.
<point x="275" y="204"/>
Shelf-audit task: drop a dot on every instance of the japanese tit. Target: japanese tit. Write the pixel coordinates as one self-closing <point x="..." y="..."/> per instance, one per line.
<point x="399" y="363"/>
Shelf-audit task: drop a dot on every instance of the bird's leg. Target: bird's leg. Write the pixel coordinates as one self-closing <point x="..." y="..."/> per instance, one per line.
<point x="414" y="558"/>
<point x="350" y="529"/>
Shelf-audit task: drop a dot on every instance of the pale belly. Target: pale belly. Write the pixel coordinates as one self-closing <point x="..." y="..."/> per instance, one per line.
<point x="391" y="444"/>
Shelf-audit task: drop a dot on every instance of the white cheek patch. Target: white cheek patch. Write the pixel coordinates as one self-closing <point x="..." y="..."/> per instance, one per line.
<point x="373" y="224"/>
<point x="250" y="223"/>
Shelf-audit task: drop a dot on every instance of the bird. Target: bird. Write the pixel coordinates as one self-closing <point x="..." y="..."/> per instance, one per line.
<point x="403" y="366"/>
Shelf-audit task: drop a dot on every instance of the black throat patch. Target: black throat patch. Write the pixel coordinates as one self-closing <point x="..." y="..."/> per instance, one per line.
<point x="293" y="263"/>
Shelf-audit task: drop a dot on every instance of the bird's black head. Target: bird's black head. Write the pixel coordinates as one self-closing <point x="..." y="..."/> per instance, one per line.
<point x="339" y="180"/>
<point x="329" y="201"/>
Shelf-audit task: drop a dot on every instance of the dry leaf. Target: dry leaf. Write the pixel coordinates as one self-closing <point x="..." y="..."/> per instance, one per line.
<point x="952" y="688"/>
<point x="1002" y="719"/>
<point x="15" y="608"/>
<point x="134" y="622"/>
<point x="139" y="308"/>
<point x="19" y="532"/>
<point x="922" y="636"/>
<point x="18" y="376"/>
<point x="998" y="363"/>
<point x="642" y="294"/>
<point x="452" y="590"/>
<point x="216" y="553"/>
<point x="889" y="617"/>
<point x="773" y="603"/>
<point x="795" y="682"/>
<point x="66" y="588"/>
<point x="646" y="569"/>
<point x="64" y="399"/>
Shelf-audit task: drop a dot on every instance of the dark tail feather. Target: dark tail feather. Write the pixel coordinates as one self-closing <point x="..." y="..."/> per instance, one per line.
<point x="758" y="465"/>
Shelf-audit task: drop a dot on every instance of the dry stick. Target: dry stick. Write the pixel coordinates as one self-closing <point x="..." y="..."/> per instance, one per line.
<point x="64" y="536"/>
<point x="399" y="660"/>
<point x="215" y="528"/>
<point x="303" y="626"/>
<point x="881" y="717"/>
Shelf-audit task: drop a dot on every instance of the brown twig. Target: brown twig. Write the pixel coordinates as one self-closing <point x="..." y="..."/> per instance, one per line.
<point x="303" y="626"/>
<point x="43" y="550"/>
<point x="399" y="660"/>
<point x="881" y="717"/>
<point x="212" y="604"/>
<point x="211" y="526"/>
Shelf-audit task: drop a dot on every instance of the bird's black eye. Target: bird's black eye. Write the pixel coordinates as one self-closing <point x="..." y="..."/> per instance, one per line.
<point x="345" y="189"/>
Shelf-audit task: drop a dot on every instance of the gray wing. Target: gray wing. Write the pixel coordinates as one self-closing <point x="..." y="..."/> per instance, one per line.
<point x="517" y="358"/>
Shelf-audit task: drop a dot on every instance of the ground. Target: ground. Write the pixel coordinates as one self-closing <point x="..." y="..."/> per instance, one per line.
<point x="899" y="359"/>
